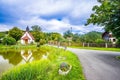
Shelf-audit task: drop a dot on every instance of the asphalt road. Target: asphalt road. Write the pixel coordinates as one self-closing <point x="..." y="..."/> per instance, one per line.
<point x="99" y="65"/>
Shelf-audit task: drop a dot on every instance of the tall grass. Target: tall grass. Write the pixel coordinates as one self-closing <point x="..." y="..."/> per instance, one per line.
<point x="47" y="69"/>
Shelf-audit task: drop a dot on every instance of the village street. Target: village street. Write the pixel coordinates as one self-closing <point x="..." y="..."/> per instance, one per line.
<point x="99" y="65"/>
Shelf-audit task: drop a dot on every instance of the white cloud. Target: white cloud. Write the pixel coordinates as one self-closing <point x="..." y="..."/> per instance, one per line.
<point x="48" y="7"/>
<point x="84" y="8"/>
<point x="47" y="25"/>
<point x="30" y="12"/>
<point x="4" y="27"/>
<point x="58" y="26"/>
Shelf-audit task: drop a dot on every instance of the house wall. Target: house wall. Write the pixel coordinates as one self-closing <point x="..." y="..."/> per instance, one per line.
<point x="22" y="41"/>
<point x="30" y="40"/>
<point x="113" y="40"/>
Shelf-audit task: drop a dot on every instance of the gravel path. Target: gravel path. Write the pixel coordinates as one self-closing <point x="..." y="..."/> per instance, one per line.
<point x="99" y="65"/>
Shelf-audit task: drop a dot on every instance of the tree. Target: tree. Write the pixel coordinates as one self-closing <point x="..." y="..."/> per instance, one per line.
<point x="2" y="35"/>
<point x="36" y="28"/>
<point x="108" y="15"/>
<point x="100" y="41"/>
<point x="76" y="37"/>
<point x="8" y="41"/>
<point x="56" y="36"/>
<point x="91" y="36"/>
<point x="16" y="33"/>
<point x="37" y="33"/>
<point x="67" y="34"/>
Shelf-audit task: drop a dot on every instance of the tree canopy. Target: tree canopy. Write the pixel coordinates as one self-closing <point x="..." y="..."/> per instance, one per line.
<point x="16" y="33"/>
<point x="107" y="14"/>
<point x="91" y="36"/>
<point x="54" y="36"/>
<point x="68" y="33"/>
<point x="8" y="41"/>
<point x="36" y="28"/>
<point x="37" y="33"/>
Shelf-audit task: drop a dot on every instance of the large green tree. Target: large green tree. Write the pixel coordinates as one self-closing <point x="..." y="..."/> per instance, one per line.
<point x="37" y="33"/>
<point x="8" y="41"/>
<point x="91" y="36"/>
<point x="107" y="14"/>
<point x="36" y="28"/>
<point x="67" y="34"/>
<point x="16" y="33"/>
<point x="76" y="37"/>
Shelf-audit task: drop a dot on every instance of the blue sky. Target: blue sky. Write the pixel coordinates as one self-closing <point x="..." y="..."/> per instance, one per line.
<point x="51" y="15"/>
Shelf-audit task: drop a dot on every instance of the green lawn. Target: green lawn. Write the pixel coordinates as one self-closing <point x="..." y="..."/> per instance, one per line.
<point x="47" y="69"/>
<point x="98" y="48"/>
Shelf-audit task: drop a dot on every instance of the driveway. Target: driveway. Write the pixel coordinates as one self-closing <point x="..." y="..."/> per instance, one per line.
<point x="99" y="65"/>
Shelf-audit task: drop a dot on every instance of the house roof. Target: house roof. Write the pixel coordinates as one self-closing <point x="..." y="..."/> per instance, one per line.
<point x="31" y="35"/>
<point x="26" y="36"/>
<point x="107" y="34"/>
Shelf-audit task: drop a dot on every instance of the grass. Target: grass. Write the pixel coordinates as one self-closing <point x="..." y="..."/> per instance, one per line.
<point x="16" y="47"/>
<point x="99" y="48"/>
<point x="118" y="57"/>
<point x="47" y="69"/>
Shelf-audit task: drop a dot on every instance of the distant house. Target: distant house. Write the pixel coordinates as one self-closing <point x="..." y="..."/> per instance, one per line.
<point x="27" y="37"/>
<point x="109" y="37"/>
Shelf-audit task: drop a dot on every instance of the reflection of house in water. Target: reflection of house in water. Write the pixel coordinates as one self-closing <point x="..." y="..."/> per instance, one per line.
<point x="26" y="55"/>
<point x="27" y="38"/>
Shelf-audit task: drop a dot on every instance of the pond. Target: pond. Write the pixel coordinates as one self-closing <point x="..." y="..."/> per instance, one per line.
<point x="11" y="58"/>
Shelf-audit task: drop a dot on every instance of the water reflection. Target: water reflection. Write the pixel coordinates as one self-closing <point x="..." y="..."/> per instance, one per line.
<point x="26" y="55"/>
<point x="11" y="58"/>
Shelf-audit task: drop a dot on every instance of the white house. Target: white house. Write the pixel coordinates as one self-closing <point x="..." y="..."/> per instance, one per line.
<point x="112" y="39"/>
<point x="109" y="37"/>
<point x="27" y="38"/>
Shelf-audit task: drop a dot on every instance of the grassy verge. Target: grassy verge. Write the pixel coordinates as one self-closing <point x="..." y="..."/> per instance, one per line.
<point x="16" y="47"/>
<point x="118" y="57"/>
<point x="98" y="48"/>
<point x="47" y="69"/>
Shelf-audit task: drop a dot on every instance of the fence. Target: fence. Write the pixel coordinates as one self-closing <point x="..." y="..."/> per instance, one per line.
<point x="107" y="45"/>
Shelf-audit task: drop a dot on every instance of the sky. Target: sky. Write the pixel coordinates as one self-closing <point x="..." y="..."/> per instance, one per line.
<point x="51" y="15"/>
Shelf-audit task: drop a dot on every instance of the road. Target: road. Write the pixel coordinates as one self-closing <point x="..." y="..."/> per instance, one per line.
<point x="99" y="65"/>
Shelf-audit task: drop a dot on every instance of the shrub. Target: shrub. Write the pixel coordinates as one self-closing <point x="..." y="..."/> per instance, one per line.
<point x="42" y="41"/>
<point x="100" y="41"/>
<point x="64" y="66"/>
<point x="8" y="41"/>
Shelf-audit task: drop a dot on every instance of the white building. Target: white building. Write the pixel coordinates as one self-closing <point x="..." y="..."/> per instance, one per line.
<point x="109" y="37"/>
<point x="112" y="39"/>
<point x="27" y="38"/>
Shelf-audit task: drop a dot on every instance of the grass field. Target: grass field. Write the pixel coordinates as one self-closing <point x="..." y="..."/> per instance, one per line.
<point x="47" y="69"/>
<point x="98" y="48"/>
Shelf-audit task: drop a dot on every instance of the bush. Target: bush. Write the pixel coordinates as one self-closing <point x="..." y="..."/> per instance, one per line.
<point x="64" y="66"/>
<point x="100" y="41"/>
<point x="9" y="41"/>
<point x="42" y="41"/>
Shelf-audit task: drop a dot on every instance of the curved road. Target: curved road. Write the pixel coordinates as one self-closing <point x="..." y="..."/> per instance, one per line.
<point x="99" y="65"/>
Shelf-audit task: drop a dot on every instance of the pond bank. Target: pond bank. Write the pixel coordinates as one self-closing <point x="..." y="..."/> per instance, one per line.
<point x="47" y="68"/>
